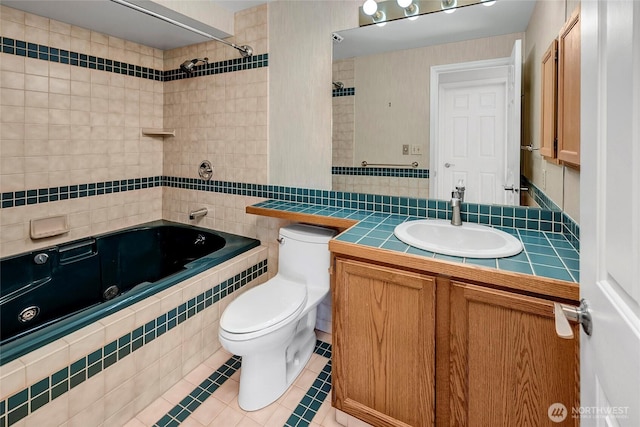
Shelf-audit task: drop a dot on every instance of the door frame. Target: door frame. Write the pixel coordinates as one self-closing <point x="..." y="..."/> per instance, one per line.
<point x="443" y="74"/>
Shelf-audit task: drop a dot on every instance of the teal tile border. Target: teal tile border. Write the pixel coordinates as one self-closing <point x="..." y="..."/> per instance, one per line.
<point x="319" y="202"/>
<point x="301" y="417"/>
<point x="345" y="91"/>
<point x="375" y="171"/>
<point x="28" y="400"/>
<point x="26" y="49"/>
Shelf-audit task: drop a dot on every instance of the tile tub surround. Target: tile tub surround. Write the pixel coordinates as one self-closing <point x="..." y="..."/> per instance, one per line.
<point x="108" y="371"/>
<point x="546" y="254"/>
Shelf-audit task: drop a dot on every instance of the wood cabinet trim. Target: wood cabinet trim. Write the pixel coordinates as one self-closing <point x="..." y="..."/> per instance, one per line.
<point x="327" y="221"/>
<point x="542" y="286"/>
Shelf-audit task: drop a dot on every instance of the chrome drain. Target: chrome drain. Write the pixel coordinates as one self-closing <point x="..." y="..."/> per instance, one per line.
<point x="111" y="292"/>
<point x="29" y="313"/>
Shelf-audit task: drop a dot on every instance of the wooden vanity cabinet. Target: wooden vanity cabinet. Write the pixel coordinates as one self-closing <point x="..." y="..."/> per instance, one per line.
<point x="383" y="344"/>
<point x="507" y="364"/>
<point x="413" y="349"/>
<point x="549" y="102"/>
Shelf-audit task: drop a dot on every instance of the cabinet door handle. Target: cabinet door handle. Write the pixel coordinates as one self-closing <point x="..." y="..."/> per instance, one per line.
<point x="578" y="314"/>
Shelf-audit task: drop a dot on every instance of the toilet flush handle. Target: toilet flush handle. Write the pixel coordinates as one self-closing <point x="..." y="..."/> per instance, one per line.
<point x="280" y="240"/>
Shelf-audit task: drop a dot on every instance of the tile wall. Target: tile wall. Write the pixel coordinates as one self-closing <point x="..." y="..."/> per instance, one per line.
<point x="65" y="123"/>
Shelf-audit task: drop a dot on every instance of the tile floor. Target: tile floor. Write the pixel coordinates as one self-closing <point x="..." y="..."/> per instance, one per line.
<point x="220" y="408"/>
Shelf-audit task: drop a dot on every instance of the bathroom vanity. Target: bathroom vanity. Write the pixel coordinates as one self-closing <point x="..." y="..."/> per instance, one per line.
<point x="421" y="341"/>
<point x="413" y="346"/>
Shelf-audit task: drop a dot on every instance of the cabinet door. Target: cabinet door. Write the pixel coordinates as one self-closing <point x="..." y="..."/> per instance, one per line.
<point x="383" y="344"/>
<point x="569" y="91"/>
<point x="548" y="102"/>
<point x="507" y="364"/>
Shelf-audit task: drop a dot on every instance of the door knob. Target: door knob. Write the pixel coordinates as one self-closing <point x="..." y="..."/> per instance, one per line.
<point x="578" y="314"/>
<point x="448" y="165"/>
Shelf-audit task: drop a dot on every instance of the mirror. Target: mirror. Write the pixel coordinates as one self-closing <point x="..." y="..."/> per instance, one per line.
<point x="387" y="68"/>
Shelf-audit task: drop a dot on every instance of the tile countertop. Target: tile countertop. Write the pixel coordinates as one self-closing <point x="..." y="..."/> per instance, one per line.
<point x="546" y="254"/>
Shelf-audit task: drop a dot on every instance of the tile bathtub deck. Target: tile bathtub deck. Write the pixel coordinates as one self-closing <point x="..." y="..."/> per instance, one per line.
<point x="545" y="254"/>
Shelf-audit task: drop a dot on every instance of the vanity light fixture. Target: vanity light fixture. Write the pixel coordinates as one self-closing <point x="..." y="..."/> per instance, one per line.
<point x="410" y="8"/>
<point x="370" y="7"/>
<point x="449" y="6"/>
<point x="379" y="18"/>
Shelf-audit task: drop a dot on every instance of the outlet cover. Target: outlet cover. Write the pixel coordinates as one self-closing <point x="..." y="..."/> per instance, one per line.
<point x="405" y="149"/>
<point x="416" y="149"/>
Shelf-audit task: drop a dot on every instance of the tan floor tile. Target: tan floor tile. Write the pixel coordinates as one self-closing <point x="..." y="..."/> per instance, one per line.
<point x="305" y="379"/>
<point x="248" y="422"/>
<point x="227" y="391"/>
<point x="317" y="363"/>
<point x="136" y="423"/>
<point x="323" y="336"/>
<point x="292" y="397"/>
<point x="261" y="416"/>
<point x="156" y="410"/>
<point x="330" y="419"/>
<point x="191" y="422"/>
<point x="198" y="375"/>
<point x="279" y="417"/>
<point x="227" y="418"/>
<point x="209" y="409"/>
<point x="178" y="392"/>
<point x="218" y="358"/>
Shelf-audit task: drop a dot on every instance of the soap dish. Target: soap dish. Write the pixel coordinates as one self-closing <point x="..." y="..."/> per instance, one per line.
<point x="49" y="227"/>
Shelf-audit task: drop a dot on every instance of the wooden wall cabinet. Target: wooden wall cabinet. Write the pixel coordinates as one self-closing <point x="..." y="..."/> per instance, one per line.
<point x="383" y="344"/>
<point x="560" y="97"/>
<point x="411" y="349"/>
<point x="549" y="102"/>
<point x="569" y="91"/>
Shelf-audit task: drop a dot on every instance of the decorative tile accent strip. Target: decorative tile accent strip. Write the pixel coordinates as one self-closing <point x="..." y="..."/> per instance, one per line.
<point x="540" y="198"/>
<point x="369" y="171"/>
<point x="345" y="91"/>
<point x="571" y="230"/>
<point x="46" y="53"/>
<point x="505" y="216"/>
<point x="52" y="54"/>
<point x="227" y="66"/>
<point x="27" y="401"/>
<point x="52" y="194"/>
<point x="189" y="404"/>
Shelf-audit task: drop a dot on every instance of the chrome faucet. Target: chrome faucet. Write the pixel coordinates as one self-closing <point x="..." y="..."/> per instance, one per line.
<point x="457" y="198"/>
<point x="198" y="213"/>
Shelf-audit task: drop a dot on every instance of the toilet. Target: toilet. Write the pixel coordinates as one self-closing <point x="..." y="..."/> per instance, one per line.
<point x="272" y="325"/>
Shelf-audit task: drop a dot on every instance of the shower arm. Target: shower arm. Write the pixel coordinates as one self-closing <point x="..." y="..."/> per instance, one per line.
<point x="244" y="50"/>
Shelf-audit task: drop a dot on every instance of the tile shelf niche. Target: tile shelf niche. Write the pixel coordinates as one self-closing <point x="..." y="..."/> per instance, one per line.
<point x="158" y="132"/>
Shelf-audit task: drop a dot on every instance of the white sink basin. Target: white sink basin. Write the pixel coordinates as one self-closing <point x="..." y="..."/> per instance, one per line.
<point x="468" y="240"/>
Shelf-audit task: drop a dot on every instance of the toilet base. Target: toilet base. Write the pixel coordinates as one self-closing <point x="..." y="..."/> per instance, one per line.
<point x="266" y="375"/>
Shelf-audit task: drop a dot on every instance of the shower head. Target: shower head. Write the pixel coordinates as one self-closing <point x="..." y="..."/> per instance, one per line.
<point x="338" y="85"/>
<point x="187" y="66"/>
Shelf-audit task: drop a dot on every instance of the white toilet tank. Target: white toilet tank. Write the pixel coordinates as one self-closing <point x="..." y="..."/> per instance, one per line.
<point x="304" y="253"/>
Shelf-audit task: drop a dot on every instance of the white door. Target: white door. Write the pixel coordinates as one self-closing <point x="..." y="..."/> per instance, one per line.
<point x="475" y="129"/>
<point x="610" y="211"/>
<point x="473" y="138"/>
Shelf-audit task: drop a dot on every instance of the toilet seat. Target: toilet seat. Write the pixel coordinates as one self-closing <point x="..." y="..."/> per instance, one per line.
<point x="264" y="306"/>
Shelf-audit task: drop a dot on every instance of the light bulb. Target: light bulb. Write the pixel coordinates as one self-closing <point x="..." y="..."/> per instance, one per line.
<point x="404" y="3"/>
<point x="370" y="7"/>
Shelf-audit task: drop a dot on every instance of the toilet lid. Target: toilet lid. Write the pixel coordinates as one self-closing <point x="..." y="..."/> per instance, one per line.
<point x="264" y="306"/>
